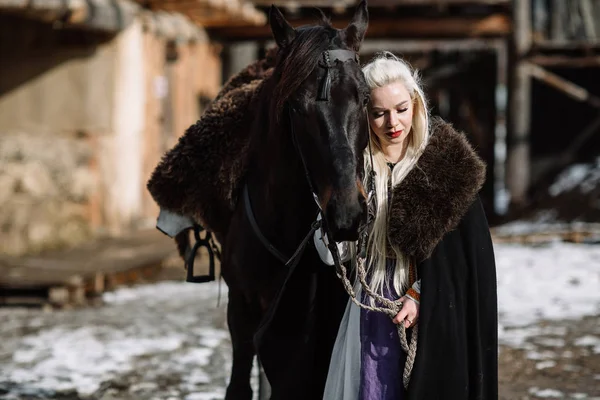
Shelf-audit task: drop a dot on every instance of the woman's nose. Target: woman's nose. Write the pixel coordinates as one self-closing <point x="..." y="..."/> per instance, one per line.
<point x="393" y="120"/>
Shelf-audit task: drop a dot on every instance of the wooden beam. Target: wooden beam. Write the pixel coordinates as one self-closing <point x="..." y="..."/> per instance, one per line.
<point x="428" y="45"/>
<point x="100" y="15"/>
<point x="567" y="87"/>
<point x="214" y="13"/>
<point x="559" y="45"/>
<point x="565" y="61"/>
<point x="496" y="25"/>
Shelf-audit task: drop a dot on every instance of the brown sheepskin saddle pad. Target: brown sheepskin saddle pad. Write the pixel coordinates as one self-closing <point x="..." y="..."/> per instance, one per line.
<point x="199" y="177"/>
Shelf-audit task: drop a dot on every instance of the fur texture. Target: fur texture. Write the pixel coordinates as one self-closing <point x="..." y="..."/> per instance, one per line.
<point x="200" y="175"/>
<point x="435" y="195"/>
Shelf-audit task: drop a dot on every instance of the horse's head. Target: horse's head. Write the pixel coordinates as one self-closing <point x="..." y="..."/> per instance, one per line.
<point x="322" y="94"/>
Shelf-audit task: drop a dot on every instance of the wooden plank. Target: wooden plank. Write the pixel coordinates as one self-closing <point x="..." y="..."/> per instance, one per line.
<point x="496" y="25"/>
<point x="572" y="236"/>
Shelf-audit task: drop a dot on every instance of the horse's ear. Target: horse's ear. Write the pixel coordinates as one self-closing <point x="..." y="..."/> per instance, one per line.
<point x="355" y="31"/>
<point x="283" y="32"/>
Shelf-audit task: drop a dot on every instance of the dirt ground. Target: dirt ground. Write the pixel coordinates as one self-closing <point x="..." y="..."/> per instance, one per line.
<point x="560" y="362"/>
<point x="168" y="341"/>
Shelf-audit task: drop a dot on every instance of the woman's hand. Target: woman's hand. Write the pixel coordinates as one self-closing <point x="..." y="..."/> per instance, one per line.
<point x="409" y="312"/>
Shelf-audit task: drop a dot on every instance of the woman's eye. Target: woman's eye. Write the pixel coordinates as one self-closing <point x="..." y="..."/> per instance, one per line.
<point x="400" y="111"/>
<point x="377" y="115"/>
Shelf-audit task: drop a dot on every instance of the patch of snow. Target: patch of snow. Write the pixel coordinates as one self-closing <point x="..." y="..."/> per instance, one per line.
<point x="544" y="355"/>
<point x="199" y="356"/>
<point x="545" y="392"/>
<point x="579" y="395"/>
<point x="557" y="281"/>
<point x="545" y="364"/>
<point x="567" y="354"/>
<point x="571" y="368"/>
<point x="589" y="340"/>
<point x="550" y="342"/>
<point x="162" y="291"/>
<point x="217" y="395"/>
<point x="516" y="337"/>
<point x="82" y="358"/>
<point x="569" y="179"/>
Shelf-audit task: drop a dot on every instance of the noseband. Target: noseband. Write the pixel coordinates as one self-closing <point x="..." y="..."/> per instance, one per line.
<point x="327" y="61"/>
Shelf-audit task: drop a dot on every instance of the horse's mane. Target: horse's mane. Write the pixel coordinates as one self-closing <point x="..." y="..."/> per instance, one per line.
<point x="296" y="62"/>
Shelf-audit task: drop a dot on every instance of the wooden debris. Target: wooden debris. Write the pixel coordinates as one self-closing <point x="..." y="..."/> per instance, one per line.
<point x="589" y="233"/>
<point x="74" y="276"/>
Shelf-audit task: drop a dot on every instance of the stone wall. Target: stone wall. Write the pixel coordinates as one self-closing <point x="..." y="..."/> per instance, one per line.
<point x="84" y="119"/>
<point x="45" y="188"/>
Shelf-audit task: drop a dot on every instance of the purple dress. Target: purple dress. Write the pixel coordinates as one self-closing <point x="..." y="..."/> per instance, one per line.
<point x="382" y="357"/>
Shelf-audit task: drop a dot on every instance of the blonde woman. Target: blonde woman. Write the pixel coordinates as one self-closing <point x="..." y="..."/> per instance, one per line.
<point x="429" y="246"/>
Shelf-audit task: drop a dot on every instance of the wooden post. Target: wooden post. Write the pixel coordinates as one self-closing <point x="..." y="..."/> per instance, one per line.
<point x="500" y="190"/>
<point x="587" y="15"/>
<point x="557" y="26"/>
<point x="518" y="162"/>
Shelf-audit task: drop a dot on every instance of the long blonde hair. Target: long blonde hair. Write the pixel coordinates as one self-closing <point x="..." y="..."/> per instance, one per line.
<point x="385" y="68"/>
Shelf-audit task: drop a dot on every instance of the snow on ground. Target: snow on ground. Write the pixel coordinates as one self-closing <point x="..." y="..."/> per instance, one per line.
<point x="549" y="282"/>
<point x="169" y="340"/>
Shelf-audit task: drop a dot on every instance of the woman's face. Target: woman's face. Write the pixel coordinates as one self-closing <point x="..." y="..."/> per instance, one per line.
<point x="391" y="113"/>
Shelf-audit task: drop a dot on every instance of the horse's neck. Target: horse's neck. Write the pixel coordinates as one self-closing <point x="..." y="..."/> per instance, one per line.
<point x="281" y="198"/>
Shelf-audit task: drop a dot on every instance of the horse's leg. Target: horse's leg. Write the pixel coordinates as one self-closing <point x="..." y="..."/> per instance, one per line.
<point x="243" y="317"/>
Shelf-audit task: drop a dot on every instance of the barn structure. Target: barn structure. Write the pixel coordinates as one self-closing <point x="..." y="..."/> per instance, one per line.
<point x="516" y="76"/>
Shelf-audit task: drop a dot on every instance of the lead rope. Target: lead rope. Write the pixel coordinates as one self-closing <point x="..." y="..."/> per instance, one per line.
<point x="389" y="307"/>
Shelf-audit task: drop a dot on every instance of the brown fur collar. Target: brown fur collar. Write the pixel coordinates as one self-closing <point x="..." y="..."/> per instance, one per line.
<point x="435" y="195"/>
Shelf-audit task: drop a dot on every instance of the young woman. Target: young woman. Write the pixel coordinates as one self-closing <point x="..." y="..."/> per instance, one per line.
<point x="429" y="247"/>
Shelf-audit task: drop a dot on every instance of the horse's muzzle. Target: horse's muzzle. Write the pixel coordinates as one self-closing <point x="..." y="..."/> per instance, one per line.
<point x="345" y="215"/>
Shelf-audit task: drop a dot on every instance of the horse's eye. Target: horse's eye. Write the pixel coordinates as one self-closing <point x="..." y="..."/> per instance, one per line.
<point x="366" y="100"/>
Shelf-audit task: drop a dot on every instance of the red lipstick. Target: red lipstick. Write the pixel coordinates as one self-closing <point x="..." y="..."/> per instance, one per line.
<point x="395" y="134"/>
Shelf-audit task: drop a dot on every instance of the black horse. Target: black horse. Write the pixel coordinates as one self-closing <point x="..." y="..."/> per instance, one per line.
<point x="264" y="160"/>
<point x="308" y="135"/>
